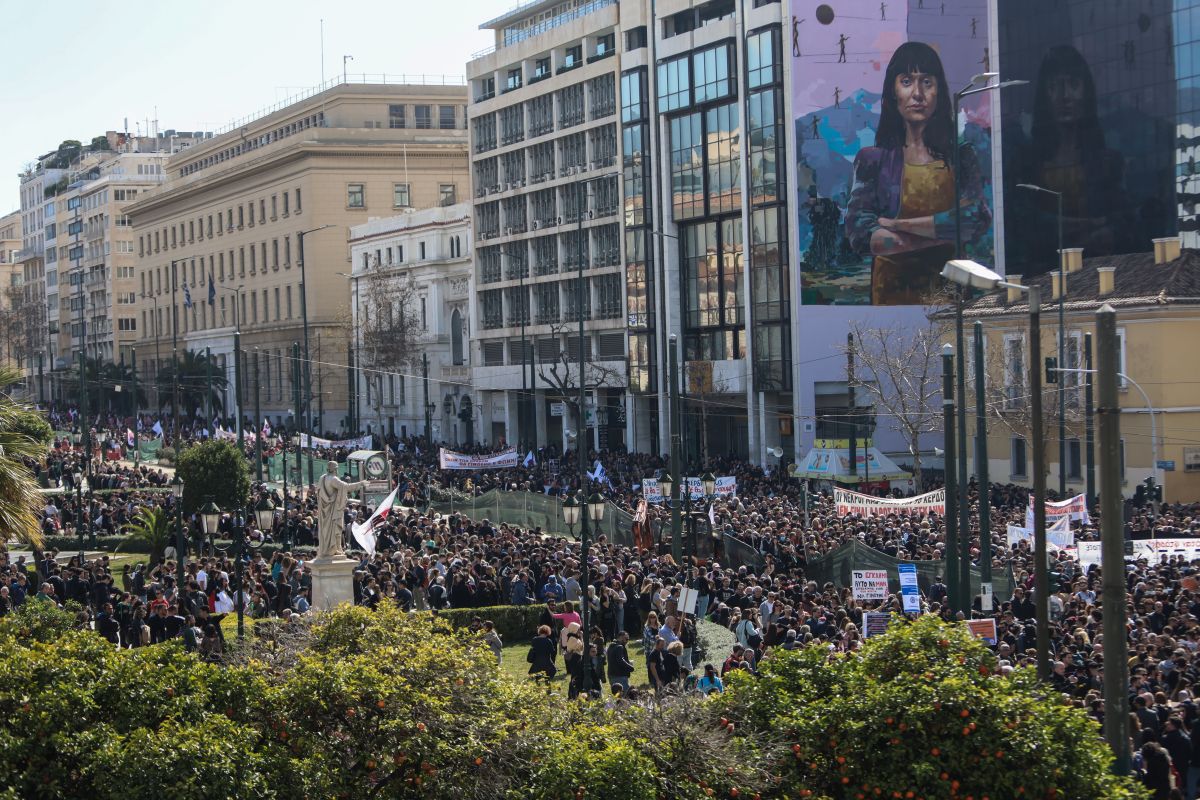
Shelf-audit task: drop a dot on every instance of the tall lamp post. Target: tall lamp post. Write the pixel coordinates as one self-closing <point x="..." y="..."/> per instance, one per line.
<point x="307" y="360"/>
<point x="979" y="84"/>
<point x="585" y="509"/>
<point x="682" y="506"/>
<point x="356" y="354"/>
<point x="237" y="359"/>
<point x="264" y="513"/>
<point x="970" y="274"/>
<point x="1062" y="340"/>
<point x="180" y="538"/>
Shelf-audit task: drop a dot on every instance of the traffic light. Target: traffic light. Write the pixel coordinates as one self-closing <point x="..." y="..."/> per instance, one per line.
<point x="1051" y="369"/>
<point x="1153" y="490"/>
<point x="1139" y="495"/>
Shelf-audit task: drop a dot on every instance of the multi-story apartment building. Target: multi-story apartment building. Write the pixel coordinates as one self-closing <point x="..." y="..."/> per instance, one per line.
<point x="546" y="196"/>
<point x="247" y="217"/>
<point x="660" y="94"/>
<point x="93" y="239"/>
<point x="12" y="279"/>
<point x="73" y="224"/>
<point x="411" y="306"/>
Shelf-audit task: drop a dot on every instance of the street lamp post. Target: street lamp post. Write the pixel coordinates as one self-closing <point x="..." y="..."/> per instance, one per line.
<point x="970" y="274"/>
<point x="1062" y="340"/>
<point x="157" y="357"/>
<point x="585" y="509"/>
<point x="952" y="532"/>
<point x="180" y="538"/>
<point x="307" y="360"/>
<point x="237" y="359"/>
<point x="964" y="522"/>
<point x="264" y="513"/>
<point x="356" y="354"/>
<point x="985" y="484"/>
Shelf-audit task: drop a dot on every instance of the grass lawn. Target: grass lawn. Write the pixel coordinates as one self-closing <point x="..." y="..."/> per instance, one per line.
<point x="515" y="667"/>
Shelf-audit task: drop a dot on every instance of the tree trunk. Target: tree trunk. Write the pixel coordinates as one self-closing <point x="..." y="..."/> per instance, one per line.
<point x="917" y="482"/>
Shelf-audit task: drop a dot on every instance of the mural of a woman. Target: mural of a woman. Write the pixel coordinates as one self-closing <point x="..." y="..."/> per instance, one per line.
<point x="1066" y="153"/>
<point x="901" y="208"/>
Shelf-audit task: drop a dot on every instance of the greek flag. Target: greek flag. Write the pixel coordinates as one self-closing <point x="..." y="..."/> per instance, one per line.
<point x="187" y="296"/>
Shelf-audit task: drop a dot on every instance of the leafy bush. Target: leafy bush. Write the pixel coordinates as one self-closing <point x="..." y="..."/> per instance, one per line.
<point x="515" y="624"/>
<point x="921" y="712"/>
<point x="34" y="426"/>
<point x="715" y="642"/>
<point x="214" y="469"/>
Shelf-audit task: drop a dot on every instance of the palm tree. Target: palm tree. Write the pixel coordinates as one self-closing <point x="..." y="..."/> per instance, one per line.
<point x="120" y="375"/>
<point x="19" y="495"/>
<point x="193" y="369"/>
<point x="151" y="530"/>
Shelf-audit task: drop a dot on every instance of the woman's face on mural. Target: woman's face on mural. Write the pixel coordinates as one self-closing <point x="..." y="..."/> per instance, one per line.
<point x="1066" y="98"/>
<point x="916" y="96"/>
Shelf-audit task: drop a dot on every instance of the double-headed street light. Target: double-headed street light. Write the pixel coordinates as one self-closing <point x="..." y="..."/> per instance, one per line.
<point x="970" y="274"/>
<point x="691" y="517"/>
<point x="979" y="84"/>
<point x="264" y="515"/>
<point x="308" y="426"/>
<point x="180" y="539"/>
<point x="586" y="509"/>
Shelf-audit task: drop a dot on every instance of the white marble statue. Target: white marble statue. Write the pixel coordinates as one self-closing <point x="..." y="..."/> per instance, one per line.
<point x="332" y="494"/>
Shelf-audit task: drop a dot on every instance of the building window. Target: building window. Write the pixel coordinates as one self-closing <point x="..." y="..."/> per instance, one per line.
<point x="447" y="195"/>
<point x="763" y="65"/>
<point x="354" y="196"/>
<point x="573" y="58"/>
<point x="541" y="69"/>
<point x="513" y="80"/>
<point x="424" y="116"/>
<point x="395" y="116"/>
<point x="421" y="248"/>
<point x="1074" y="459"/>
<point x="687" y="170"/>
<point x="674" y="84"/>
<point x="635" y="38"/>
<point x="605" y="45"/>
<point x="633" y="95"/>
<point x="297" y="201"/>
<point x="1017" y="461"/>
<point x="400" y="195"/>
<point x="723" y="136"/>
<point x="446" y="118"/>
<point x="285" y="204"/>
<point x="710" y="74"/>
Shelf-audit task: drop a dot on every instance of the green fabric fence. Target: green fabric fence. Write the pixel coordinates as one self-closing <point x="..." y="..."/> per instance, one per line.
<point x="837" y="565"/>
<point x="534" y="510"/>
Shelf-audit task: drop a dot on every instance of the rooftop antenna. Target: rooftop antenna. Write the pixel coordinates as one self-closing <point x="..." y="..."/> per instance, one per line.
<point x="322" y="51"/>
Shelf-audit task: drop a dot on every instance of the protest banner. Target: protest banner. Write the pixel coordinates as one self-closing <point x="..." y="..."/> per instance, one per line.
<point x="875" y="623"/>
<point x="869" y="584"/>
<point x="687" y="601"/>
<point x="726" y="487"/>
<point x="984" y="629"/>
<point x="360" y="443"/>
<point x="1075" y="508"/>
<point x="1058" y="536"/>
<point x="909" y="593"/>
<point x="849" y="502"/>
<point x="448" y="459"/>
<point x="652" y="491"/>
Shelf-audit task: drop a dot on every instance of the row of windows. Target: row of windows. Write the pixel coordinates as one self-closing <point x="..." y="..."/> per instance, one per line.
<point x="275" y="305"/>
<point x="202" y="228"/>
<point x="597" y="248"/>
<point x="609" y="346"/>
<point x="422" y="118"/>
<point x="539" y="210"/>
<point x="218" y="267"/>
<point x="394" y="254"/>
<point x="553" y="302"/>
<point x="588" y="100"/>
<point x="316" y="120"/>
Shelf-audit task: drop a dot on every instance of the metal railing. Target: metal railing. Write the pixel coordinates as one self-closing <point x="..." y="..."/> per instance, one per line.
<point x="522" y="34"/>
<point x="387" y="78"/>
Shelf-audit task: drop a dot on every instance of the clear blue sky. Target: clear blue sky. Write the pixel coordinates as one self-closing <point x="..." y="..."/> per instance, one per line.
<point x="73" y="70"/>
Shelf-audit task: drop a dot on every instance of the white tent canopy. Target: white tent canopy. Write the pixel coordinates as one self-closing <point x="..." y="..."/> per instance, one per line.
<point x="829" y="460"/>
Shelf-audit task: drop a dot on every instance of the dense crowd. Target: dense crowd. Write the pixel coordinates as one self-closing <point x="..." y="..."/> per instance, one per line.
<point x="430" y="561"/>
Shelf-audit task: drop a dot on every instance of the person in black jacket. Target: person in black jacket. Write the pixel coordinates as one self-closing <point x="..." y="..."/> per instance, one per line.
<point x="619" y="665"/>
<point x="541" y="654"/>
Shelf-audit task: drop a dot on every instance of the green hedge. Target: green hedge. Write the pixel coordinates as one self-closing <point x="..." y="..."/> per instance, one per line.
<point x="514" y="623"/>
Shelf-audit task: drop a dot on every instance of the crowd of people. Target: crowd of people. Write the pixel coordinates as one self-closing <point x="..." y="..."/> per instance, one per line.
<point x="426" y="561"/>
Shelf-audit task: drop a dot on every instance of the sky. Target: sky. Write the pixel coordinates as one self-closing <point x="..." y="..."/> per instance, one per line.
<point x="74" y="70"/>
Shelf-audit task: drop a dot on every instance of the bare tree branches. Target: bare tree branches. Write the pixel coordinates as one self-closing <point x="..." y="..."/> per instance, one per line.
<point x="391" y="329"/>
<point x="901" y="374"/>
<point x="562" y="373"/>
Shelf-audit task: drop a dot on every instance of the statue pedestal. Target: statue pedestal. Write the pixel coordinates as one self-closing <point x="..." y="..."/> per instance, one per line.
<point x="332" y="581"/>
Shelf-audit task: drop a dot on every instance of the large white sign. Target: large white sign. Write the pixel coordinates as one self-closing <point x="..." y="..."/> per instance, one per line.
<point x="448" y="459"/>
<point x="1074" y="508"/>
<point x="652" y="491"/>
<point x="361" y="443"/>
<point x="849" y="502"/>
<point x="869" y="584"/>
<point x="1058" y="537"/>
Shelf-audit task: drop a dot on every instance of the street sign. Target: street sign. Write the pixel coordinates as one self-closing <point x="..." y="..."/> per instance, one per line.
<point x="1165" y="466"/>
<point x="558" y="409"/>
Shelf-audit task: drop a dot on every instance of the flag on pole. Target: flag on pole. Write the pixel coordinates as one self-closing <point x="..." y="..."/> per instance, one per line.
<point x="158" y="429"/>
<point x="597" y="473"/>
<point x="266" y="428"/>
<point x="364" y="534"/>
<point x="187" y="296"/>
<point x="212" y="289"/>
<point x="529" y="459"/>
<point x="130" y="438"/>
<point x="712" y="515"/>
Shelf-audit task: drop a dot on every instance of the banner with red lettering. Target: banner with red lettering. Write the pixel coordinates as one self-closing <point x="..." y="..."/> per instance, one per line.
<point x="849" y="502"/>
<point x="448" y="459"/>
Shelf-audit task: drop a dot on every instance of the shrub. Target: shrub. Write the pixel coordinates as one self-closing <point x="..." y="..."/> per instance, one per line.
<point x="922" y="710"/>
<point x="515" y="624"/>
<point x="214" y="469"/>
